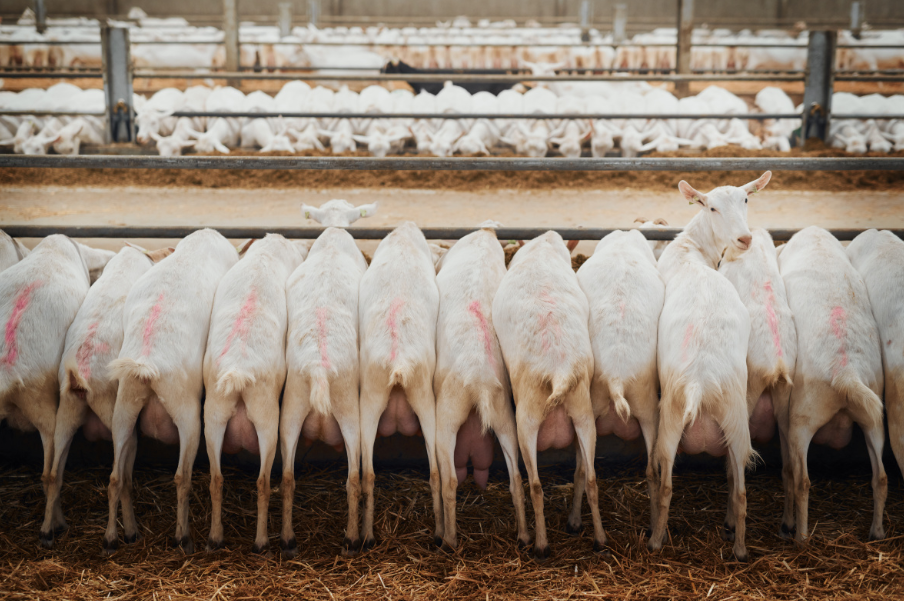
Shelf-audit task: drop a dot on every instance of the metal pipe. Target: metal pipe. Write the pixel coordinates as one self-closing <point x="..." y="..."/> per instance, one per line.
<point x="117" y="84"/>
<point x="620" y="22"/>
<point x="285" y="19"/>
<point x="363" y="233"/>
<point x="231" y="35"/>
<point x="513" y="79"/>
<point x="455" y="164"/>
<point x="683" y="46"/>
<point x="40" y="16"/>
<point x="819" y="86"/>
<point x="528" y="116"/>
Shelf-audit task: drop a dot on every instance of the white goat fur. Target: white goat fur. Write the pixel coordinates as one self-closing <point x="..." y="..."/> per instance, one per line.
<point x="245" y="365"/>
<point x="166" y="318"/>
<point x="839" y="363"/>
<point x="470" y="372"/>
<point x="702" y="347"/>
<point x="321" y="397"/>
<point x="541" y="317"/>
<point x="625" y="292"/>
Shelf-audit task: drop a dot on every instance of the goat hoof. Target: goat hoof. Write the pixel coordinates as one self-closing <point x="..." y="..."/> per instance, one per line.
<point x="186" y="544"/>
<point x="574" y="530"/>
<point x="110" y="546"/>
<point x="875" y="537"/>
<point x="59" y="530"/>
<point x="131" y="538"/>
<point x="350" y="547"/>
<point x="260" y="549"/>
<point x="46" y="539"/>
<point x="438" y="541"/>
<point x="447" y="548"/>
<point x="742" y="556"/>
<point x="289" y="548"/>
<point x="215" y="545"/>
<point x="541" y="554"/>
<point x="523" y="544"/>
<point x="787" y="533"/>
<point x="601" y="549"/>
<point x="728" y="533"/>
<point x="369" y="543"/>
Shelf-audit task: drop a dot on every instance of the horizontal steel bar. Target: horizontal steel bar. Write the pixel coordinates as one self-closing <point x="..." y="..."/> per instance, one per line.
<point x="361" y="233"/>
<point x="54" y="75"/>
<point x="455" y="164"/>
<point x="412" y="77"/>
<point x="532" y="116"/>
<point x="50" y="114"/>
<point x="870" y="78"/>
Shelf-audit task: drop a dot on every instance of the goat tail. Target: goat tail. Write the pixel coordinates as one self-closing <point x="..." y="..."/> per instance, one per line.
<point x="320" y="392"/>
<point x="617" y="394"/>
<point x="234" y="380"/>
<point x="859" y="395"/>
<point x="126" y="367"/>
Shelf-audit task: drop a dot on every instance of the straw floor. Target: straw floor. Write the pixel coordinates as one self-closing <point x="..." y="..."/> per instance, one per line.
<point x="405" y="565"/>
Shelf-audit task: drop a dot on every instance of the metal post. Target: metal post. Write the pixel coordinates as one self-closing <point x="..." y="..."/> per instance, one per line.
<point x="819" y="85"/>
<point x="117" y="83"/>
<point x="856" y="18"/>
<point x="585" y="20"/>
<point x="313" y="12"/>
<point x="285" y="19"/>
<point x="40" y="16"/>
<point x="683" y="50"/>
<point x="620" y="23"/>
<point x="231" y="39"/>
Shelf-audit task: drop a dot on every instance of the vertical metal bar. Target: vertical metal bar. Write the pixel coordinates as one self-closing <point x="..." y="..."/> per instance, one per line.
<point x="856" y="18"/>
<point x="285" y="19"/>
<point x="117" y="83"/>
<point x="40" y="16"/>
<point x="620" y="23"/>
<point x="585" y="20"/>
<point x="819" y="85"/>
<point x="313" y="12"/>
<point x="683" y="50"/>
<point x="231" y="38"/>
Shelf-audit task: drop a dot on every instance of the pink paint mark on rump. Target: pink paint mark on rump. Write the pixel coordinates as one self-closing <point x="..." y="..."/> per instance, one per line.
<point x="392" y="324"/>
<point x="476" y="311"/>
<point x="773" y="319"/>
<point x="12" y="326"/>
<point x="688" y="333"/>
<point x="838" y="321"/>
<point x="547" y="320"/>
<point x="621" y="310"/>
<point x="242" y="323"/>
<point x="322" y="332"/>
<point x="88" y="349"/>
<point x="147" y="342"/>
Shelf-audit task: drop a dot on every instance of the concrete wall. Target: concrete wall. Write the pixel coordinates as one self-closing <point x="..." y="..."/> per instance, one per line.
<point x="641" y="13"/>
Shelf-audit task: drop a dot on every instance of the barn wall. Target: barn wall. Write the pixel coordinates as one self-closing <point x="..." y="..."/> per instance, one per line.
<point x="641" y="13"/>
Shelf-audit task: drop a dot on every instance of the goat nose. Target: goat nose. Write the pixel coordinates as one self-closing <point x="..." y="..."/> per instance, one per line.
<point x="745" y="241"/>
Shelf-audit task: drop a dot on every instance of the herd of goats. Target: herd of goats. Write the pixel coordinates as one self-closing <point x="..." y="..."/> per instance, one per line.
<point x="383" y="134"/>
<point x="458" y="44"/>
<point x="706" y="349"/>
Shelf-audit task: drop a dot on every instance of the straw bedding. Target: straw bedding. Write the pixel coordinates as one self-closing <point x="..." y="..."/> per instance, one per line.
<point x="488" y="565"/>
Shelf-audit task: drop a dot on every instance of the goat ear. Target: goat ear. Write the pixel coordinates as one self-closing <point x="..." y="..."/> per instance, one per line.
<point x="188" y="143"/>
<point x="758" y="184"/>
<point x="660" y="221"/>
<point x="220" y="147"/>
<point x="690" y="194"/>
<point x="155" y="136"/>
<point x="7" y="142"/>
<point x="194" y="133"/>
<point x="571" y="245"/>
<point x="362" y="139"/>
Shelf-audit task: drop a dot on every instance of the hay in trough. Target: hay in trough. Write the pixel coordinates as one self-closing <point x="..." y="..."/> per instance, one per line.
<point x="488" y="565"/>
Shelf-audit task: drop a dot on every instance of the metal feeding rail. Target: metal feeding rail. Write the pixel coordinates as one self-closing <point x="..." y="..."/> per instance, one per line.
<point x="362" y="233"/>
<point x="440" y="77"/>
<point x="455" y="164"/>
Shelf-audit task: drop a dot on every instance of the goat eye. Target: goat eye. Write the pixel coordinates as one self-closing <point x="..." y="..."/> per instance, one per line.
<point x="745" y="200"/>
<point x="713" y="210"/>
